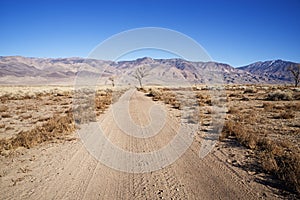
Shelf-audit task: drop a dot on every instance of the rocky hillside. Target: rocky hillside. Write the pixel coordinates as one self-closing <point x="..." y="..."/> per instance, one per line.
<point x="23" y="70"/>
<point x="275" y="70"/>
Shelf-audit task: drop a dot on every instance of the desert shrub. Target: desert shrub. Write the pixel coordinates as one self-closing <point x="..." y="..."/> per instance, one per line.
<point x="55" y="128"/>
<point x="245" y="98"/>
<point x="293" y="106"/>
<point x="170" y="98"/>
<point x="90" y="105"/>
<point x="203" y="99"/>
<point x="166" y="96"/>
<point x="289" y="169"/>
<point x="3" y="108"/>
<point x="233" y="110"/>
<point x="246" y="137"/>
<point x="238" y="95"/>
<point x="250" y="90"/>
<point x="279" y="95"/>
<point x="279" y="158"/>
<point x="103" y="100"/>
<point x="268" y="106"/>
<point x="6" y="115"/>
<point x="155" y="94"/>
<point x="285" y="115"/>
<point x="269" y="163"/>
<point x="283" y="164"/>
<point x="267" y="145"/>
<point x="208" y="102"/>
<point x="200" y="96"/>
<point x="296" y="96"/>
<point x="195" y="88"/>
<point x="142" y="89"/>
<point x="228" y="130"/>
<point x="59" y="125"/>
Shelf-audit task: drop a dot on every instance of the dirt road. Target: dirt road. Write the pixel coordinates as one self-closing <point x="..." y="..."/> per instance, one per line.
<point x="68" y="171"/>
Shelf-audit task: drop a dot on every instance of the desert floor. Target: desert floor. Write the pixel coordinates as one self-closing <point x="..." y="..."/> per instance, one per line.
<point x="63" y="168"/>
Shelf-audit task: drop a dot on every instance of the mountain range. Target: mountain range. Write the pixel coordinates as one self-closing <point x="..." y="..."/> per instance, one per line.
<point x="25" y="70"/>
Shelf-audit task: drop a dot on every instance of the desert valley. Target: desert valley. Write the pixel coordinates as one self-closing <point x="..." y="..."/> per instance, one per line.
<point x="250" y="116"/>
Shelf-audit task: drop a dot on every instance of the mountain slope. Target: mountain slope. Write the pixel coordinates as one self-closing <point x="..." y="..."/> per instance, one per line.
<point x="23" y="70"/>
<point x="272" y="70"/>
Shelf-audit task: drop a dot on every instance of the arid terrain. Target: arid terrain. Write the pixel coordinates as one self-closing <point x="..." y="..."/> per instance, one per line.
<point x="43" y="138"/>
<point x="17" y="70"/>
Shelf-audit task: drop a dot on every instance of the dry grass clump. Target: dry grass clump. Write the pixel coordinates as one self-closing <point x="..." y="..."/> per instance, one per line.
<point x="204" y="99"/>
<point x="276" y="151"/>
<point x="296" y="96"/>
<point x="89" y="104"/>
<point x="103" y="100"/>
<point x="293" y="106"/>
<point x="59" y="120"/>
<point x="282" y="159"/>
<point x="166" y="96"/>
<point x="285" y="111"/>
<point x="280" y="96"/>
<point x="285" y="114"/>
<point x="19" y="96"/>
<point x="156" y="94"/>
<point x="170" y="98"/>
<point x="84" y="113"/>
<point x="6" y="115"/>
<point x="235" y="94"/>
<point x="3" y="108"/>
<point x="268" y="106"/>
<point x="55" y="128"/>
<point x="245" y="136"/>
<point x="233" y="110"/>
<point x="142" y="89"/>
<point x="282" y="162"/>
<point x="250" y="90"/>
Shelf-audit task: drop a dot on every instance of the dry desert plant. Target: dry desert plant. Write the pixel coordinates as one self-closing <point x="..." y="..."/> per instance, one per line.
<point x="165" y="95"/>
<point x="268" y="106"/>
<point x="250" y="90"/>
<point x="140" y="73"/>
<point x="233" y="110"/>
<point x="285" y="114"/>
<point x="55" y="128"/>
<point x="3" y="108"/>
<point x="280" y="158"/>
<point x="295" y="71"/>
<point x="280" y="96"/>
<point x="156" y="94"/>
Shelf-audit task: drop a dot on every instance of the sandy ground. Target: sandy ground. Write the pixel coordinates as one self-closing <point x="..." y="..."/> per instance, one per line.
<point x="67" y="170"/>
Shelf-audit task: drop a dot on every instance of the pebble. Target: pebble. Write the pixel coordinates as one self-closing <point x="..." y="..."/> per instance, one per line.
<point x="236" y="163"/>
<point x="251" y="172"/>
<point x="160" y="191"/>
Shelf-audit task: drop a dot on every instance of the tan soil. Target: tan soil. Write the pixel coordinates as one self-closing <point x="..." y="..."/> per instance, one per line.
<point x="67" y="170"/>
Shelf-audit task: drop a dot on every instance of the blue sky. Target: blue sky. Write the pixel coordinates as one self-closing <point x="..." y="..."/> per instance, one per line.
<point x="237" y="32"/>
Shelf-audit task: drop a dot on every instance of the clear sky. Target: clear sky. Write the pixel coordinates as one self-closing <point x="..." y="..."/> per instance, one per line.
<point x="237" y="32"/>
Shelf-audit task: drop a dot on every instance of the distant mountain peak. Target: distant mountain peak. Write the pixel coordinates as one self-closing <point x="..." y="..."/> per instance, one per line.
<point x="144" y="59"/>
<point x="272" y="69"/>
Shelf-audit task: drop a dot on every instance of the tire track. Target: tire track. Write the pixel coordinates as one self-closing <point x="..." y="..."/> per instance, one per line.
<point x="84" y="177"/>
